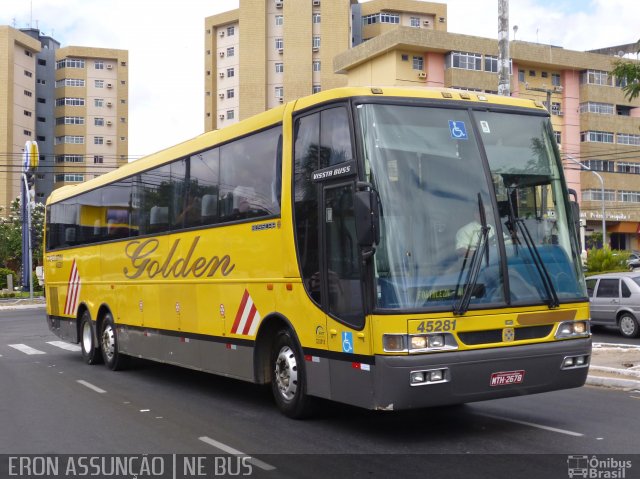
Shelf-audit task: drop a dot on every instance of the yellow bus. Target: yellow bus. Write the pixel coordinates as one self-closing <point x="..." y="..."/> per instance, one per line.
<point x="386" y="248"/>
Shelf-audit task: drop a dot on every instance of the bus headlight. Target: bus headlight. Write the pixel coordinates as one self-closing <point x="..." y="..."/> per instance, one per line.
<point x="431" y="342"/>
<point x="572" y="329"/>
<point x="394" y="343"/>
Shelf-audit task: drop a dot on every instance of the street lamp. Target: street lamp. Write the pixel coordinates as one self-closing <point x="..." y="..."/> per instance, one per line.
<point x="604" y="225"/>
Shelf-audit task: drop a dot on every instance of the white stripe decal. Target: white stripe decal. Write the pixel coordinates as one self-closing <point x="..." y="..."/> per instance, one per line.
<point x="245" y="316"/>
<point x="73" y="290"/>
<point x="23" y="348"/>
<point x="63" y="345"/>
<point x="234" y="452"/>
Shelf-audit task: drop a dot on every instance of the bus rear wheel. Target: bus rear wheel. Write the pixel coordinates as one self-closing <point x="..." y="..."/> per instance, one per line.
<point x="111" y="354"/>
<point x="90" y="350"/>
<point x="288" y="379"/>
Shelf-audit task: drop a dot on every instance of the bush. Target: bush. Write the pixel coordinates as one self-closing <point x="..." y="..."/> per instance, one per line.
<point x="3" y="277"/>
<point x="606" y="260"/>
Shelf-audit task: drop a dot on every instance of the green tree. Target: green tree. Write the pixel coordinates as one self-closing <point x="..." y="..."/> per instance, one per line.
<point x="11" y="236"/>
<point x="630" y="71"/>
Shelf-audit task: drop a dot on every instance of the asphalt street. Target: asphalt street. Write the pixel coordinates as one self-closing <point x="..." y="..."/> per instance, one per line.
<point x="52" y="402"/>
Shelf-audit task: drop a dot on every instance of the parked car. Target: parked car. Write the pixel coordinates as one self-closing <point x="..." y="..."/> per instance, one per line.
<point x="615" y="301"/>
<point x="633" y="261"/>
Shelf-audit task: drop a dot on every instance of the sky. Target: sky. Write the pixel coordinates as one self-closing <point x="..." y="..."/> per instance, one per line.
<point x="159" y="32"/>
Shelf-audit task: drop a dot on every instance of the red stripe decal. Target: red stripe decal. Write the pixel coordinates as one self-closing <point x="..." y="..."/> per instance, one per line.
<point x="243" y="303"/>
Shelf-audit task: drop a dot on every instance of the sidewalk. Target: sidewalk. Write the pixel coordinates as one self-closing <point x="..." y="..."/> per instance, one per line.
<point x="612" y="365"/>
<point x="615" y="366"/>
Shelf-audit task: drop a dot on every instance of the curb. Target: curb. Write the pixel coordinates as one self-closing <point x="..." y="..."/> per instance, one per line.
<point x="626" y="384"/>
<point x="14" y="306"/>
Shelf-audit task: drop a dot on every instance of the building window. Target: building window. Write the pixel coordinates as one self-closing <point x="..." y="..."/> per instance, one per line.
<point x="491" y="64"/>
<point x="465" y="61"/>
<point x="279" y="90"/>
<point x="98" y="159"/>
<point x="532" y="73"/>
<point x="69" y="178"/>
<point x="70" y="63"/>
<point x="279" y="67"/>
<point x="28" y="73"/>
<point x="98" y="140"/>
<point x="230" y="93"/>
<point x="231" y="31"/>
<point x="418" y="63"/>
<point x="389" y="18"/>
<point x="42" y="61"/>
<point x="231" y="72"/>
<point x="316" y="18"/>
<point x="370" y="19"/>
<point x="26" y="132"/>
<point x="600" y="165"/>
<point x="627" y="139"/>
<point x="521" y="75"/>
<point x="555" y="79"/>
<point x="623" y="167"/>
<point x="596" y="136"/>
<point x="629" y="196"/>
<point x="28" y="93"/>
<point x="70" y="120"/>
<point x="404" y="57"/>
<point x="99" y="64"/>
<point x="544" y="74"/>
<point x="99" y="83"/>
<point x="69" y="159"/>
<point x="69" y="101"/>
<point x="414" y="22"/>
<point x="279" y="43"/>
<point x="69" y="139"/>
<point x="555" y="108"/>
<point x="27" y="113"/>
<point x="316" y="65"/>
<point x="558" y="136"/>
<point x="596" y="77"/>
<point x="231" y="114"/>
<point x="596" y="195"/>
<point x="231" y="51"/>
<point x="99" y="102"/>
<point x="316" y="42"/>
<point x="316" y="89"/>
<point x="70" y="82"/>
<point x="98" y="121"/>
<point x="596" y="107"/>
<point x="279" y="20"/>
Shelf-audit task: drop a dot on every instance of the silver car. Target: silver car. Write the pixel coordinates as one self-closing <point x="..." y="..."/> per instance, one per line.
<point x="615" y="301"/>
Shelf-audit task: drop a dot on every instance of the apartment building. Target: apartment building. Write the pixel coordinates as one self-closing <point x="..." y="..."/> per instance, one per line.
<point x="91" y="113"/>
<point x="17" y="108"/>
<point x="73" y="101"/>
<point x="270" y="51"/>
<point x="593" y="122"/>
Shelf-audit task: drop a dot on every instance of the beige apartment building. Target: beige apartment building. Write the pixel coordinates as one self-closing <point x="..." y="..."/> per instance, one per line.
<point x="270" y="51"/>
<point x="593" y="122"/>
<point x="91" y="113"/>
<point x="72" y="101"/>
<point x="17" y="108"/>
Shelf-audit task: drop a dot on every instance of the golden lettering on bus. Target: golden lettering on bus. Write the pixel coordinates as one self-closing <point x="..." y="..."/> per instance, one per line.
<point x="140" y="254"/>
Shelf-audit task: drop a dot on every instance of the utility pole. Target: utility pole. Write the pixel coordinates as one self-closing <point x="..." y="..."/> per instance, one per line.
<point x="504" y="85"/>
<point x="547" y="92"/>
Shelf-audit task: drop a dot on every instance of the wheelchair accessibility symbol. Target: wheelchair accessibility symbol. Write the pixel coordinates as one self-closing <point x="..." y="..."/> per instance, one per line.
<point x="458" y="130"/>
<point x="347" y="342"/>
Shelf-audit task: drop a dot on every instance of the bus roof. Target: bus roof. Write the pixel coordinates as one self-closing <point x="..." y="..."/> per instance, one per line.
<point x="275" y="115"/>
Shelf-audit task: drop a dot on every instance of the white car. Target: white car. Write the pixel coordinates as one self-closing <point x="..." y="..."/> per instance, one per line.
<point x="615" y="301"/>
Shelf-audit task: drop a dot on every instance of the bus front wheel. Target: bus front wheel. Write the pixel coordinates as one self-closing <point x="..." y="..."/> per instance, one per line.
<point x="90" y="350"/>
<point x="288" y="381"/>
<point x="112" y="356"/>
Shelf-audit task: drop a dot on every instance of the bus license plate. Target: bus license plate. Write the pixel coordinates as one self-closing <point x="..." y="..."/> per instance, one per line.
<point x="504" y="378"/>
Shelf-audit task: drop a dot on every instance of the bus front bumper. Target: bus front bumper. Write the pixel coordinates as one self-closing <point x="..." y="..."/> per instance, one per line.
<point x="478" y="375"/>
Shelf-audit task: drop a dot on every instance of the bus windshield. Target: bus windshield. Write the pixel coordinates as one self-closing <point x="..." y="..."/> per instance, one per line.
<point x="455" y="227"/>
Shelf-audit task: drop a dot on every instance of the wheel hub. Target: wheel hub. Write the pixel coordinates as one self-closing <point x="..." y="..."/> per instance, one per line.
<point x="286" y="373"/>
<point x="108" y="342"/>
<point x="87" y="338"/>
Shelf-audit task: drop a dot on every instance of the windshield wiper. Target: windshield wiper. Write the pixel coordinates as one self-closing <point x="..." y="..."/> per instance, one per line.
<point x="482" y="249"/>
<point x="516" y="224"/>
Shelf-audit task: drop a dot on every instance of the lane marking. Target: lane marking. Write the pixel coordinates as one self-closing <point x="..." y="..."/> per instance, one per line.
<point x="23" y="348"/>
<point x="63" y="345"/>
<point x="533" y="424"/>
<point x="91" y="386"/>
<point x="229" y="450"/>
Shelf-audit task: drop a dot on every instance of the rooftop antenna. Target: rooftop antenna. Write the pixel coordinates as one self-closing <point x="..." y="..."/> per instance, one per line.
<point x="515" y="30"/>
<point x="31" y="14"/>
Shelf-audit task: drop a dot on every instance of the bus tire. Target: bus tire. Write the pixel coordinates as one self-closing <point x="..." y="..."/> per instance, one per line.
<point x="111" y="354"/>
<point x="288" y="380"/>
<point x="90" y="350"/>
